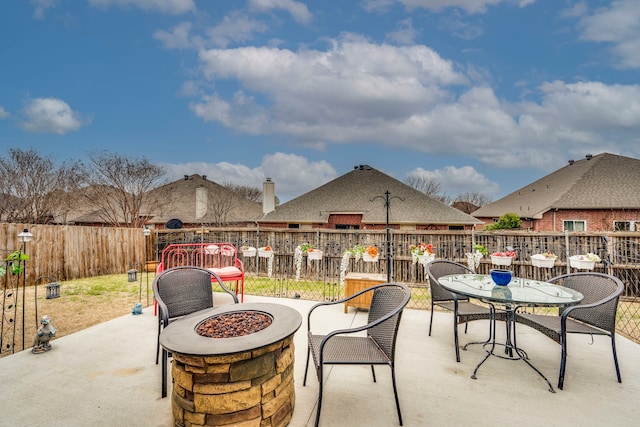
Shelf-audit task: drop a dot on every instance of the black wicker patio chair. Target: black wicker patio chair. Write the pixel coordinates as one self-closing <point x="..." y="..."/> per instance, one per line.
<point x="594" y="315"/>
<point x="180" y="291"/>
<point x="464" y="311"/>
<point x="342" y="347"/>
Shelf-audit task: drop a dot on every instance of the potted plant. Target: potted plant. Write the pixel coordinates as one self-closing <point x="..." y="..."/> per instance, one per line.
<point x="584" y="262"/>
<point x="311" y="251"/>
<point x="305" y="249"/>
<point x="248" y="251"/>
<point x="422" y="253"/>
<point x="544" y="260"/>
<point x="371" y="254"/>
<point x="367" y="253"/>
<point x="267" y="252"/>
<point x="14" y="263"/>
<point x="503" y="258"/>
<point x="473" y="258"/>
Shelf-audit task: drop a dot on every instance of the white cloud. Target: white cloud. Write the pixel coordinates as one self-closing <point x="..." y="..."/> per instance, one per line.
<point x="343" y="94"/>
<point x="178" y="38"/>
<point x="298" y="10"/>
<point x="171" y="7"/>
<point x="460" y="28"/>
<point x="50" y="115"/>
<point x="469" y="6"/>
<point x="360" y="92"/>
<point x="236" y="27"/>
<point x="293" y="175"/>
<point x="619" y="26"/>
<point x="455" y="181"/>
<point x="405" y="34"/>
<point x="3" y="113"/>
<point x="41" y="6"/>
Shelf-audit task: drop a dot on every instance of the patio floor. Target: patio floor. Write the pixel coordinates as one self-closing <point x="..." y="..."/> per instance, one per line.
<point x="106" y="376"/>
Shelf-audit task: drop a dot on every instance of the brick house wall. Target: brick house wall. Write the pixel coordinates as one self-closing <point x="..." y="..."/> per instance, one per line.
<point x="596" y="219"/>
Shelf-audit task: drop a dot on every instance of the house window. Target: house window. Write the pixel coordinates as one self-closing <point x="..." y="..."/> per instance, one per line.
<point x="456" y="227"/>
<point x="574" y="225"/>
<point x="626" y="226"/>
<point x="347" y="227"/>
<point x="293" y="225"/>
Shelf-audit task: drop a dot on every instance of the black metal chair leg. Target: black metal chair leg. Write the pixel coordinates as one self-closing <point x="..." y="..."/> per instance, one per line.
<point x="165" y="356"/>
<point x="306" y="368"/>
<point x="321" y="377"/>
<point x="615" y="357"/>
<point x="395" y="393"/>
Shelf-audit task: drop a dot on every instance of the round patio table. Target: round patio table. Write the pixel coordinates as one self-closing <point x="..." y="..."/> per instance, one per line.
<point x="520" y="292"/>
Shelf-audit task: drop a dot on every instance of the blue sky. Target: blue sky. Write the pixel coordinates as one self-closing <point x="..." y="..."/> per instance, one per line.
<point x="482" y="95"/>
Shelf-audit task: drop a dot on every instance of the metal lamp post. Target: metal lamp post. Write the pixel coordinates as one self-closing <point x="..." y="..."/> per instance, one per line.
<point x="146" y="232"/>
<point x="25" y="236"/>
<point x="387" y="204"/>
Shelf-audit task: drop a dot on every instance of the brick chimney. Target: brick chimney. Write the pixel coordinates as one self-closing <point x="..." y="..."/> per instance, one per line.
<point x="268" y="196"/>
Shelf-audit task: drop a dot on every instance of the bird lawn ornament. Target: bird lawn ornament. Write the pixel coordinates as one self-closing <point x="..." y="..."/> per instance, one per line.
<point x="45" y="332"/>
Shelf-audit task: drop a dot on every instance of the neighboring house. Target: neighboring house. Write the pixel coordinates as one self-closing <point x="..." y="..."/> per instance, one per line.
<point x="357" y="200"/>
<point x="597" y="193"/>
<point x="196" y="201"/>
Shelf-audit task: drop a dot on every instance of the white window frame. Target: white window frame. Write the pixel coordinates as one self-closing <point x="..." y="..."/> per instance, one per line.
<point x="634" y="225"/>
<point x="565" y="221"/>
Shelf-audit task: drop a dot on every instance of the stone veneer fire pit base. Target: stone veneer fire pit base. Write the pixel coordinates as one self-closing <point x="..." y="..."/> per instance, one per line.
<point x="248" y="388"/>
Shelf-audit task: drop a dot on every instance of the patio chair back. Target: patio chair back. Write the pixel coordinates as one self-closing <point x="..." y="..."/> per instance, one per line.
<point x="438" y="268"/>
<point x="594" y="315"/>
<point x="601" y="290"/>
<point x="385" y="300"/>
<point x="464" y="310"/>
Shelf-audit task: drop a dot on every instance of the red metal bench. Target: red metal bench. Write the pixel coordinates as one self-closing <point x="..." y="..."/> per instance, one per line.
<point x="221" y="258"/>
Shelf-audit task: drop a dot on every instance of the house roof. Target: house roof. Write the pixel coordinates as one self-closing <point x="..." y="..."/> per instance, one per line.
<point x="604" y="181"/>
<point x="180" y="202"/>
<point x="362" y="191"/>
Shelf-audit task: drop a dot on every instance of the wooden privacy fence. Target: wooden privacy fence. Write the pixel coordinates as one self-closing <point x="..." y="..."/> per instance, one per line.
<point x="70" y="252"/>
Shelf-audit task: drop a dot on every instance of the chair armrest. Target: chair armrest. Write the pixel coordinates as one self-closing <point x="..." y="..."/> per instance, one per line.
<point x="163" y="312"/>
<point x="224" y="287"/>
<point x="240" y="265"/>
<point x="369" y="325"/>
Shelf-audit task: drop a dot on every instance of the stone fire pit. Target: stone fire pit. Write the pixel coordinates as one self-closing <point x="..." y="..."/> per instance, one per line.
<point x="223" y="379"/>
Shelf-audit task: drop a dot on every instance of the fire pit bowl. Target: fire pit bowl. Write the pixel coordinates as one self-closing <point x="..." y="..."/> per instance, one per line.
<point x="225" y="379"/>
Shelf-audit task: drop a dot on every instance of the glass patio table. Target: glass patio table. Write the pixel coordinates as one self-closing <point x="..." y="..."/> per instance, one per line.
<point x="520" y="292"/>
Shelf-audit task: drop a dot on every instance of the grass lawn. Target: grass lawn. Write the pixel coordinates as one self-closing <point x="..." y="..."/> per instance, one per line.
<point x="82" y="303"/>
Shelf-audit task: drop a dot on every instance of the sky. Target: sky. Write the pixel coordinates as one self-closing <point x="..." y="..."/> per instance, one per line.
<point x="482" y="96"/>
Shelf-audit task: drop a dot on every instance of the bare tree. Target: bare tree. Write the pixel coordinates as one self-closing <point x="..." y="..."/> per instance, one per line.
<point x="429" y="186"/>
<point x="120" y="188"/>
<point x="251" y="193"/>
<point x="474" y="198"/>
<point x="219" y="208"/>
<point x="34" y="186"/>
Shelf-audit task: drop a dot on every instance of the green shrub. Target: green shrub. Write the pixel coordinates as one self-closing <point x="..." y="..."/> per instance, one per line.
<point x="505" y="222"/>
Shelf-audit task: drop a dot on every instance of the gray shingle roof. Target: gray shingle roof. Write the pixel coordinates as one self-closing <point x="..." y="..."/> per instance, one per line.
<point x="604" y="181"/>
<point x="353" y="193"/>
<point x="180" y="202"/>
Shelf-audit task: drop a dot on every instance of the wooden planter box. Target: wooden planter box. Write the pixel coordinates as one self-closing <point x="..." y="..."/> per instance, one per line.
<point x="355" y="282"/>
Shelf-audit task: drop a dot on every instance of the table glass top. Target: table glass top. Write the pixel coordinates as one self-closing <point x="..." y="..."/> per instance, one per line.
<point x="519" y="291"/>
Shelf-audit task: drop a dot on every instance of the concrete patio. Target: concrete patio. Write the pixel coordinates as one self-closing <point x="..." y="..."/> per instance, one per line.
<point x="106" y="376"/>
